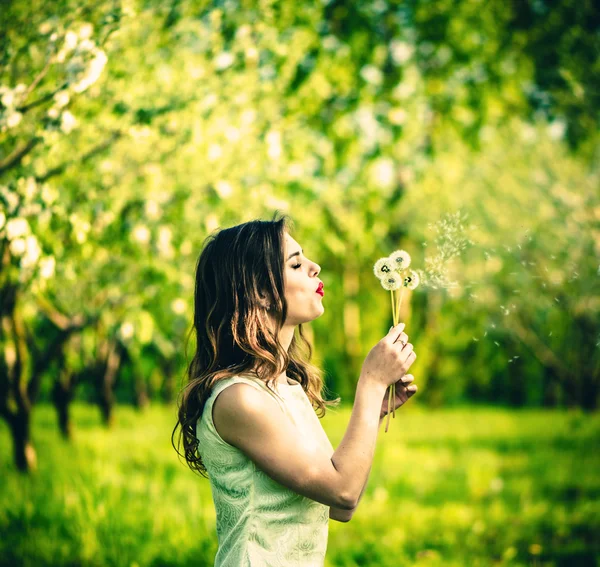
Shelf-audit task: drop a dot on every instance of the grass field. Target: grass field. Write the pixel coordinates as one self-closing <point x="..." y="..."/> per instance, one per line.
<point x="469" y="486"/>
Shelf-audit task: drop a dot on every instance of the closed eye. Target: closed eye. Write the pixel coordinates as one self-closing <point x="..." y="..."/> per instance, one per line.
<point x="296" y="266"/>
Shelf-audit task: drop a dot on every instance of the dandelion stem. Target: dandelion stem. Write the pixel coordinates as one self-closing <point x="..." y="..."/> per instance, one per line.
<point x="393" y="308"/>
<point x="389" y="405"/>
<point x="400" y="302"/>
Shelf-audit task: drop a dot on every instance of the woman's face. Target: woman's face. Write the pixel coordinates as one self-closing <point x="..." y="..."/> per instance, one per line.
<point x="301" y="282"/>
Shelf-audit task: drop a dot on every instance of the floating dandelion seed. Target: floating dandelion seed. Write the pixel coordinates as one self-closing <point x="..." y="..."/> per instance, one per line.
<point x="550" y="334"/>
<point x="476" y="340"/>
<point x="497" y="344"/>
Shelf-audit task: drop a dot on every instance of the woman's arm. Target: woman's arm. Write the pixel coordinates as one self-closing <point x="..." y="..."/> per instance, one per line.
<point x="341" y="515"/>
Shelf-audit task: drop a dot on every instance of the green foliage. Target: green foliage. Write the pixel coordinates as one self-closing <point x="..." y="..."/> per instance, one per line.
<point x="133" y="129"/>
<point x="453" y="487"/>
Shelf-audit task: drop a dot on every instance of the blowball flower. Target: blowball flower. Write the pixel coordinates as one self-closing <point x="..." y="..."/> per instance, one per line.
<point x="400" y="259"/>
<point x="391" y="282"/>
<point x="411" y="281"/>
<point x="383" y="267"/>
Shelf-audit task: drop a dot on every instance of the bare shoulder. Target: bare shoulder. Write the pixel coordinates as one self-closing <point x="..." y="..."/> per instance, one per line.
<point x="240" y="408"/>
<point x="251" y="420"/>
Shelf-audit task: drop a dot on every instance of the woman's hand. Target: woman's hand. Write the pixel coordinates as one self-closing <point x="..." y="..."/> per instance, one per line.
<point x="404" y="391"/>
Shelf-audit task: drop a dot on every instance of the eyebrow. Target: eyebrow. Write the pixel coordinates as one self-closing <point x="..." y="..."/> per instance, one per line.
<point x="295" y="254"/>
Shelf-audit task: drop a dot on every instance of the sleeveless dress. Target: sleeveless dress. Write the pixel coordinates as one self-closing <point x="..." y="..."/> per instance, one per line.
<point x="260" y="522"/>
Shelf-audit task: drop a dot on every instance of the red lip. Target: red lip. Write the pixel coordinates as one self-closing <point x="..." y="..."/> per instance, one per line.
<point x="320" y="290"/>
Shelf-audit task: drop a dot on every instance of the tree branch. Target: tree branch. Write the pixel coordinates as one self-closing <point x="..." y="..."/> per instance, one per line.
<point x="18" y="154"/>
<point x="81" y="159"/>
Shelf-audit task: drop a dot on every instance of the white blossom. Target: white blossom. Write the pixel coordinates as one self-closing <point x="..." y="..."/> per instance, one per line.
<point x="47" y="267"/>
<point x="17" y="227"/>
<point x="383" y="172"/>
<point x="164" y="242"/>
<point x="273" y="139"/>
<point x="401" y="51"/>
<point x="126" y="330"/>
<point x="152" y="210"/>
<point x="70" y="40"/>
<point x="214" y="152"/>
<point x="61" y="98"/>
<point x="32" y="252"/>
<point x="13" y="119"/>
<point x="18" y="246"/>
<point x="67" y="122"/>
<point x="224" y="60"/>
<point x="141" y="234"/>
<point x="178" y="306"/>
<point x="49" y="194"/>
<point x="86" y="31"/>
<point x="224" y="189"/>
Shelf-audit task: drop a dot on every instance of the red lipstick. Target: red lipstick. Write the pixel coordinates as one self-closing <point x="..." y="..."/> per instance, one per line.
<point x="320" y="290"/>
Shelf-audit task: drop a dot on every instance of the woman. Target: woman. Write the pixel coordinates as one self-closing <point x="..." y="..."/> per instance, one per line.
<point x="247" y="414"/>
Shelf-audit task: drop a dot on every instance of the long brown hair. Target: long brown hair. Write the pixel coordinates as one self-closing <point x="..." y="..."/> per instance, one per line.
<point x="239" y="277"/>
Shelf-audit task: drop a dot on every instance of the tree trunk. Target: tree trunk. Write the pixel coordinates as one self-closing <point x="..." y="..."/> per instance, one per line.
<point x="106" y="398"/>
<point x="141" y="391"/>
<point x="24" y="453"/>
<point x="62" y="396"/>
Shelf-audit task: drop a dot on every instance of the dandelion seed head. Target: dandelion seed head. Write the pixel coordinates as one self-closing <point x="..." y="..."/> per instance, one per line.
<point x="391" y="282"/>
<point x="412" y="280"/>
<point x="383" y="267"/>
<point x="400" y="259"/>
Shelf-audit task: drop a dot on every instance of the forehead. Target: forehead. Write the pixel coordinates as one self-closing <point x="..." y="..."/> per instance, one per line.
<point x="290" y="244"/>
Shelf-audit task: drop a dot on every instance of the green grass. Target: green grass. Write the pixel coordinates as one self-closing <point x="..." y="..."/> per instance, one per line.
<point x="470" y="486"/>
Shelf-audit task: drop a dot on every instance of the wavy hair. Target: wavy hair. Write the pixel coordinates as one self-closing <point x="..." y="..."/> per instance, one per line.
<point x="239" y="284"/>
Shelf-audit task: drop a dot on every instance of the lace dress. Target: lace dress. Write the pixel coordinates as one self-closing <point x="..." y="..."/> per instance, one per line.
<point x="261" y="523"/>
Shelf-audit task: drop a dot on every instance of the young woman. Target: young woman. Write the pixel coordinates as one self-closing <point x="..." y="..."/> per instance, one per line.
<point x="247" y="414"/>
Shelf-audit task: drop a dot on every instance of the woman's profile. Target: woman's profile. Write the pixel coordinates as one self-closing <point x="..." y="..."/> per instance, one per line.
<point x="248" y="413"/>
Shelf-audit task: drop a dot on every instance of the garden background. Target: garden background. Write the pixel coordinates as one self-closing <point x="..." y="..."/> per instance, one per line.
<point x="464" y="132"/>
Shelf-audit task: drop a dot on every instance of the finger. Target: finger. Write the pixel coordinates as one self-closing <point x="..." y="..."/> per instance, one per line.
<point x="407" y="378"/>
<point x="402" y="338"/>
<point x="395" y="332"/>
<point x="411" y="389"/>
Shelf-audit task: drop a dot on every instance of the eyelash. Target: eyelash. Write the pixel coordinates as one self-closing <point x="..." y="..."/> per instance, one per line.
<point x="296" y="266"/>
